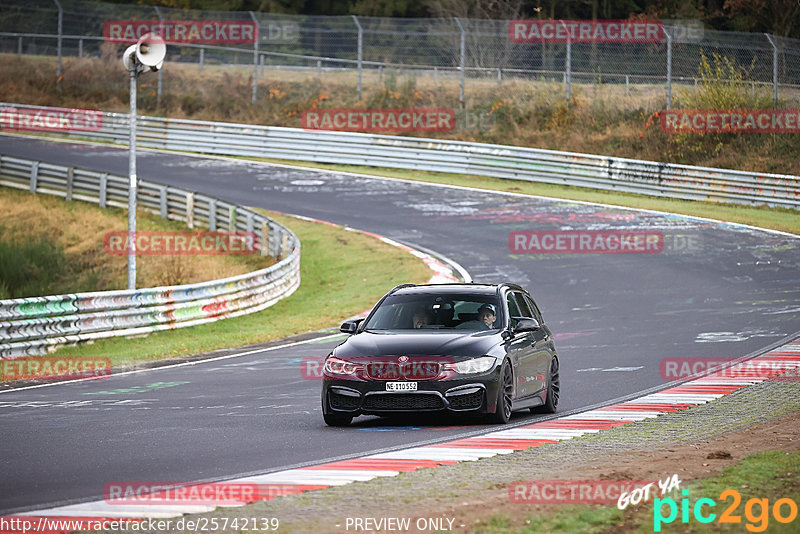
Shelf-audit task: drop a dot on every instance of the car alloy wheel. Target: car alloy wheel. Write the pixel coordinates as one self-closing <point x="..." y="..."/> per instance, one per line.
<point x="553" y="391"/>
<point x="505" y="393"/>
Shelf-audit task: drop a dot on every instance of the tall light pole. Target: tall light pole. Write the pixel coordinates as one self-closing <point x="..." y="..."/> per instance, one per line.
<point x="147" y="53"/>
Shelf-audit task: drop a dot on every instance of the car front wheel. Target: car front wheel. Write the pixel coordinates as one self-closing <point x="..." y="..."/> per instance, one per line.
<point x="505" y="392"/>
<point x="553" y="391"/>
<point x="335" y="419"/>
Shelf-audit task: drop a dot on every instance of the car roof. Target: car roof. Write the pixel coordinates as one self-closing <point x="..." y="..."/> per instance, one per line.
<point x="482" y="289"/>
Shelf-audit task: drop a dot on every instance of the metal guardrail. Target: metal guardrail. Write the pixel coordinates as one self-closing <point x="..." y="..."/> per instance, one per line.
<point x="30" y="326"/>
<point x="500" y="161"/>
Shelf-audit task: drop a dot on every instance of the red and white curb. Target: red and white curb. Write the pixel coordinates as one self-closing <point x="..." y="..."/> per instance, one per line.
<point x="771" y="365"/>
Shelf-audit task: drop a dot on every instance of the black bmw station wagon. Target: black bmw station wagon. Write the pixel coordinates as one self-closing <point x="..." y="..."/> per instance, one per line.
<point x="448" y="347"/>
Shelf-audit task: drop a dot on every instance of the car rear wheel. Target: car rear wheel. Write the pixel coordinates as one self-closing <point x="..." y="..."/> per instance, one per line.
<point x="335" y="419"/>
<point x="553" y="391"/>
<point x="505" y="392"/>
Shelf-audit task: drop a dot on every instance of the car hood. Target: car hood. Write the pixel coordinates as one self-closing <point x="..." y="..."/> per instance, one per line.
<point x="451" y="344"/>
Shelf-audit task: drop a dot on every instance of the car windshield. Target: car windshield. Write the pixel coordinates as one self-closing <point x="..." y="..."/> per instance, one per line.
<point x="437" y="312"/>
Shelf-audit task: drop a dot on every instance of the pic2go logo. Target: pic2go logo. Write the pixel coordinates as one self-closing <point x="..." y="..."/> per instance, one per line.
<point x="756" y="511"/>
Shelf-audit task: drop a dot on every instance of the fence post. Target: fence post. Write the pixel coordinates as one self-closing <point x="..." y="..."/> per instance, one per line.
<point x="627" y="85"/>
<point x="360" y="52"/>
<point x="669" y="69"/>
<point x="462" y="61"/>
<point x="60" y="31"/>
<point x="319" y="68"/>
<point x="80" y="48"/>
<point x="774" y="71"/>
<point x="568" y="66"/>
<point x="202" y="58"/>
<point x="19" y="46"/>
<point x="255" y="57"/>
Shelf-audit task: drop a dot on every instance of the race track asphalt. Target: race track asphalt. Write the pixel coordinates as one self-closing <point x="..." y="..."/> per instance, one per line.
<point x="715" y="290"/>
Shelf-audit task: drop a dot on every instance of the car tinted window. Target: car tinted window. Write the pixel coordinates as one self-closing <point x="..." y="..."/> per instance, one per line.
<point x="434" y="312"/>
<point x="524" y="309"/>
<point x="535" y="309"/>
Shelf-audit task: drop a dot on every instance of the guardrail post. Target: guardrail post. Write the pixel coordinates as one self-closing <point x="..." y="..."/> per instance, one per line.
<point x="774" y="71"/>
<point x="162" y="202"/>
<point x="669" y="69"/>
<point x="255" y="57"/>
<point x="212" y="215"/>
<point x="284" y="245"/>
<point x="462" y="61"/>
<point x="60" y="31"/>
<point x="264" y="238"/>
<point x="190" y="210"/>
<point x="103" y="190"/>
<point x="232" y="218"/>
<point x="34" y="176"/>
<point x="70" y="180"/>
<point x="360" y="52"/>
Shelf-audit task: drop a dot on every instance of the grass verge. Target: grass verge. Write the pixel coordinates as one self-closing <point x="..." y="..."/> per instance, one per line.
<point x="342" y="273"/>
<point x="759" y="480"/>
<point x="46" y="248"/>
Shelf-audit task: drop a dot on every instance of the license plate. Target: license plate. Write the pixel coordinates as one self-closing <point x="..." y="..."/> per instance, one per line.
<point x="401" y="386"/>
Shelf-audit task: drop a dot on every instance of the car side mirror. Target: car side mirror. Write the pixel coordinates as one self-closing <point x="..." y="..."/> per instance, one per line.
<point x="350" y="327"/>
<point x="526" y="325"/>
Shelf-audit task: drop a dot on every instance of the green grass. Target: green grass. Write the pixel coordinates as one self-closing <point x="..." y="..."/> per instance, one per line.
<point x="342" y="273"/>
<point x="770" y="475"/>
<point x="783" y="219"/>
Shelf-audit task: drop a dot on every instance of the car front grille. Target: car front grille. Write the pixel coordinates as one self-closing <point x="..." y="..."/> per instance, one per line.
<point x="343" y="402"/>
<point x="467" y="401"/>
<point x="403" y="401"/>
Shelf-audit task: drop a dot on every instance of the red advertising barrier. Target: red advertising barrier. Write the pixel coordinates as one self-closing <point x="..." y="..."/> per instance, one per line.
<point x="585" y="31"/>
<point x="183" y="31"/>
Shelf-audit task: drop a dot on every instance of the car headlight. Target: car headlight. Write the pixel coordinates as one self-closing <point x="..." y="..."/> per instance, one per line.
<point x="475" y="365"/>
<point x="335" y="366"/>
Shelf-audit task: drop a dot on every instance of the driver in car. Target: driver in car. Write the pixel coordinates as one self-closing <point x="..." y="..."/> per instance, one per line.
<point x="486" y="318"/>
